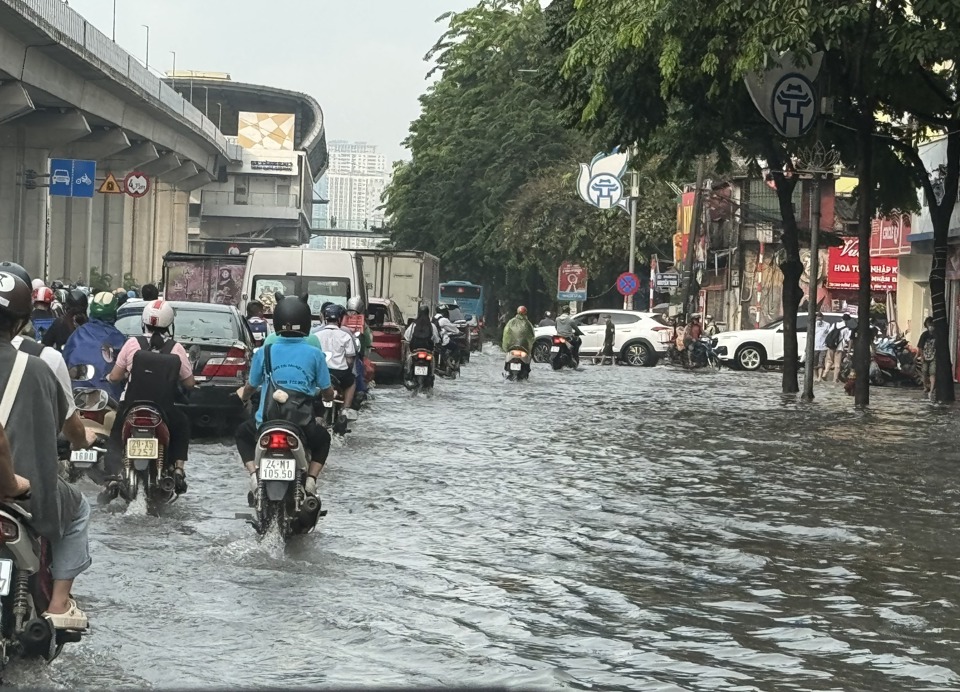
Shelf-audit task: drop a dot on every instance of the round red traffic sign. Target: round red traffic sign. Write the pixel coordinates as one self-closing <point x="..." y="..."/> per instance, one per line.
<point x="136" y="184"/>
<point x="628" y="284"/>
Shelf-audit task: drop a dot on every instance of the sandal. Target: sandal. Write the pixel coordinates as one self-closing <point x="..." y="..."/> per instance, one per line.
<point x="73" y="619"/>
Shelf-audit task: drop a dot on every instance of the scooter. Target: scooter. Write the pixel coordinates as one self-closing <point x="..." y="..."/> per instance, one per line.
<point x="25" y="588"/>
<point x="448" y="362"/>
<point x="98" y="412"/>
<point x="421" y="376"/>
<point x="334" y="417"/>
<point x="897" y="363"/>
<point x="516" y="364"/>
<point x="146" y="468"/>
<point x="561" y="354"/>
<point x="280" y="499"/>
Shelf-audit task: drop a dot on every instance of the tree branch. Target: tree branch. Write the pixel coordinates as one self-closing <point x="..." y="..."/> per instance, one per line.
<point x="934" y="87"/>
<point x="919" y="169"/>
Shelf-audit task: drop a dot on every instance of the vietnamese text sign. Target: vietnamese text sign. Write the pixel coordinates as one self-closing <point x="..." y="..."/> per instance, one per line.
<point x="843" y="269"/>
<point x="572" y="282"/>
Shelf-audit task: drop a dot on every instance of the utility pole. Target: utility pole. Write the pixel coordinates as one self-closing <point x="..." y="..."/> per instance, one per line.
<point x="146" y="57"/>
<point x="634" y="200"/>
<point x="692" y="243"/>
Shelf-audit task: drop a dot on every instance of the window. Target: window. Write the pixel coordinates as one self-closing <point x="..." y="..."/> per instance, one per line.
<point x="587" y="320"/>
<point x="469" y="292"/>
<point x="620" y="318"/>
<point x="320" y="291"/>
<point x="188" y="324"/>
<point x="376" y="315"/>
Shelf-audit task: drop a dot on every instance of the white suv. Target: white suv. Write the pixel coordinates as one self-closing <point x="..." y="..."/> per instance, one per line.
<point x="750" y="349"/>
<point x="642" y="338"/>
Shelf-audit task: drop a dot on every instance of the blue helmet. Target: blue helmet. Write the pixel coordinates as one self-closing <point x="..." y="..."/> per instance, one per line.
<point x="334" y="313"/>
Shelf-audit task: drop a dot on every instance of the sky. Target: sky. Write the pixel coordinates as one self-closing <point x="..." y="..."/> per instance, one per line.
<point x="361" y="59"/>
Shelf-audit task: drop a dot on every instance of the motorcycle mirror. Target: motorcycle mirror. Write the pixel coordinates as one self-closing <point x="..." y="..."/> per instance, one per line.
<point x="82" y="373"/>
<point x="91" y="399"/>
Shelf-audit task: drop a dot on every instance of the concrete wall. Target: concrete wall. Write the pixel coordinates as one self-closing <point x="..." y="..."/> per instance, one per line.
<point x="913" y="293"/>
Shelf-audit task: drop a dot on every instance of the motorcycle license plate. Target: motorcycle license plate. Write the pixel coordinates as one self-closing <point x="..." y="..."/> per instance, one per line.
<point x="142" y="448"/>
<point x="328" y="404"/>
<point x="421" y="370"/>
<point x="515" y="366"/>
<point x="83" y="456"/>
<point x="554" y="349"/>
<point x="6" y="576"/>
<point x="278" y="469"/>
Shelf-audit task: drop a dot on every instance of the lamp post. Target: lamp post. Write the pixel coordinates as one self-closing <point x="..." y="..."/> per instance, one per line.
<point x="146" y="57"/>
<point x="114" y="36"/>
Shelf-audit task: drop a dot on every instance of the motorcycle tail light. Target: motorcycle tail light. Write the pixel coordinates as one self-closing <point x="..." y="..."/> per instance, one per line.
<point x="279" y="440"/>
<point x="425" y="356"/>
<point x="145" y="418"/>
<point x="9" y="530"/>
<point x="231" y="365"/>
<point x="559" y="340"/>
<point x="518" y="354"/>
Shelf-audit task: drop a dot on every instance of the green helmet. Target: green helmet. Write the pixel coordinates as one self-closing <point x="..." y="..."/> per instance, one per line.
<point x="104" y="306"/>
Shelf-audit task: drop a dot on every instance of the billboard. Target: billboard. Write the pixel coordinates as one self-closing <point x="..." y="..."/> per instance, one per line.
<point x="888" y="237"/>
<point x="205" y="279"/>
<point x="843" y="269"/>
<point x="275" y="131"/>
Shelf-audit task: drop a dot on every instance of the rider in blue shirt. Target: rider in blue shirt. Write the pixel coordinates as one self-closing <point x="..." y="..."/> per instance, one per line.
<point x="296" y="366"/>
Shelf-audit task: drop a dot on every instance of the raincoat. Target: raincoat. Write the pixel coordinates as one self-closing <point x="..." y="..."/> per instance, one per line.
<point x="95" y="343"/>
<point x="518" y="332"/>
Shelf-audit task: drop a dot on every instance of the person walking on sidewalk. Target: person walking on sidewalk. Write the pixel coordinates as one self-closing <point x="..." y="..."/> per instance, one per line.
<point x="927" y="346"/>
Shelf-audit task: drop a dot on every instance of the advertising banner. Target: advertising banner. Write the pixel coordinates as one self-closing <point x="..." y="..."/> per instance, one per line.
<point x="210" y="280"/>
<point x="843" y="271"/>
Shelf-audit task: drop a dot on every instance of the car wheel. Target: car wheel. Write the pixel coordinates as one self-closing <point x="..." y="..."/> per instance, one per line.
<point x="750" y="358"/>
<point x="638" y="353"/>
<point x="541" y="352"/>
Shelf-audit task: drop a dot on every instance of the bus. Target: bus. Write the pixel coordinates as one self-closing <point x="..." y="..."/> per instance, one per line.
<point x="465" y="294"/>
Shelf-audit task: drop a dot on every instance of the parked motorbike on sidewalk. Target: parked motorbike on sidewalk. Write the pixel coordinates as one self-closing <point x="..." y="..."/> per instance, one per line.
<point x="25" y="588"/>
<point x="894" y="362"/>
<point x="280" y="499"/>
<point x="421" y="375"/>
<point x="516" y="364"/>
<point x="561" y="354"/>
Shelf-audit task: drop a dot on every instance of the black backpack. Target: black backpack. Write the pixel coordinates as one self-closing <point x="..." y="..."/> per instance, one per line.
<point x="30" y="347"/>
<point x="833" y="338"/>
<point x="154" y="375"/>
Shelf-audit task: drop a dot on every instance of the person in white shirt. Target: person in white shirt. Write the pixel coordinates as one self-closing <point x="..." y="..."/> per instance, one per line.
<point x="340" y="348"/>
<point x="821" y="329"/>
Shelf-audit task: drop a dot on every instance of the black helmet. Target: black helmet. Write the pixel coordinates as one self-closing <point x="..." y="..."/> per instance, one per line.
<point x="76" y="301"/>
<point x="444" y="310"/>
<point x="333" y="313"/>
<point x="16" y="297"/>
<point x="18" y="271"/>
<point x="56" y="285"/>
<point x="291" y="317"/>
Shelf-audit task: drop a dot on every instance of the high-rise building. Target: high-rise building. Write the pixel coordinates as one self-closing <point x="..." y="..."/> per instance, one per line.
<point x="353" y="184"/>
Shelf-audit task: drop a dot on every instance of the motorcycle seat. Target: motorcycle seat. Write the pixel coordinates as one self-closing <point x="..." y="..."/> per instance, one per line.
<point x="283" y="425"/>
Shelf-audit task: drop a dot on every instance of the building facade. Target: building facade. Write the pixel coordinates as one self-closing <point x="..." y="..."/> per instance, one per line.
<point x="353" y="186"/>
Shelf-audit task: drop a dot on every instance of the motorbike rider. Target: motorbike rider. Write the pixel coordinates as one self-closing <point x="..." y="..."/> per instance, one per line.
<point x="296" y="365"/>
<point x="255" y="320"/>
<point x="149" y="293"/>
<point x="711" y="328"/>
<point x="76" y="314"/>
<point x="97" y="342"/>
<point x="449" y="332"/>
<point x="518" y="332"/>
<point x="547" y="320"/>
<point x="42" y="315"/>
<point x="352" y="321"/>
<point x="340" y="348"/>
<point x="421" y="335"/>
<point x="691" y="335"/>
<point x="151" y="383"/>
<point x="569" y="331"/>
<point x="37" y="408"/>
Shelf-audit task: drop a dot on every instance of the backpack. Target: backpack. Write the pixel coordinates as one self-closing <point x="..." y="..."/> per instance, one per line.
<point x="422" y="337"/>
<point x="833" y="338"/>
<point x="154" y="375"/>
<point x="30" y="347"/>
<point x="297" y="409"/>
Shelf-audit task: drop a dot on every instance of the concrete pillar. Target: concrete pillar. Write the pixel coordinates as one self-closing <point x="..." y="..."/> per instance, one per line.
<point x="70" y="238"/>
<point x="23" y="213"/>
<point x="106" y="251"/>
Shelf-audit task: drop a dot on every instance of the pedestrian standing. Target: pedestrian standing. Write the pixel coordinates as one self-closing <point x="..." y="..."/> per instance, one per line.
<point x="609" y="337"/>
<point x="843" y="343"/>
<point x="821" y="329"/>
<point x="927" y="346"/>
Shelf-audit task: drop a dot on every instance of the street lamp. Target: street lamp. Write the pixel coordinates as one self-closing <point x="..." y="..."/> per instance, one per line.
<point x="114" y="37"/>
<point x="146" y="57"/>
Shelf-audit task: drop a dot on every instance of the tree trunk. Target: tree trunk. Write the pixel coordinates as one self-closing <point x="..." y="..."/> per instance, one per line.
<point x="940" y="216"/>
<point x="865" y="212"/>
<point x="791" y="267"/>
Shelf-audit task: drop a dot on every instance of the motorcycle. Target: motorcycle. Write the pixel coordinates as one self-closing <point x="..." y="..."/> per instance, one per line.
<point x="146" y="468"/>
<point x="25" y="588"/>
<point x="702" y="355"/>
<point x="421" y="376"/>
<point x="334" y="418"/>
<point x="282" y="461"/>
<point x="448" y="362"/>
<point x="894" y="362"/>
<point x="517" y="364"/>
<point x="98" y="412"/>
<point x="561" y="354"/>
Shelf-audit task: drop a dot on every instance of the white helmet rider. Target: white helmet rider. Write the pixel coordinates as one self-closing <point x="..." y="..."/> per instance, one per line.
<point x="38" y="283"/>
<point x="355" y="304"/>
<point x="157" y="314"/>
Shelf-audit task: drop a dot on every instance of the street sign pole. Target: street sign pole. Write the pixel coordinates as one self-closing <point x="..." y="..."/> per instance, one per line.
<point x="634" y="194"/>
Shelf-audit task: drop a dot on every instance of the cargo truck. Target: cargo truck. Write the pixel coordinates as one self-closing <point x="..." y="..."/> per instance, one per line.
<point x="407" y="277"/>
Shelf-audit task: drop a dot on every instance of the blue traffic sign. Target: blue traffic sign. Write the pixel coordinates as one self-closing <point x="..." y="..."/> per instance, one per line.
<point x="628" y="284"/>
<point x="72" y="177"/>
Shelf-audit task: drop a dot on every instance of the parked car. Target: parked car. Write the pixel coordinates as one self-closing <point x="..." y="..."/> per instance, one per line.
<point x="642" y="338"/>
<point x="751" y="349"/>
<point x="389" y="349"/>
<point x="220" y="347"/>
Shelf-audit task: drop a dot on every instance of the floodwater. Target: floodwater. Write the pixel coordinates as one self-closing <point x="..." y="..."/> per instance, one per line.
<point x="614" y="528"/>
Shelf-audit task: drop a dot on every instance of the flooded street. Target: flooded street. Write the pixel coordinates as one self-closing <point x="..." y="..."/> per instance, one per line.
<point x="615" y="528"/>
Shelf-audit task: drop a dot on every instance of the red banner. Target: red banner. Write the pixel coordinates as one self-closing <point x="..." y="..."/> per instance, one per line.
<point x="843" y="269"/>
<point x="889" y="236"/>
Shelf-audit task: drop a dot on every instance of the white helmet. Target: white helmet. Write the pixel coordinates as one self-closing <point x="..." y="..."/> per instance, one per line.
<point x="355" y="304"/>
<point x="158" y="313"/>
<point x="38" y="283"/>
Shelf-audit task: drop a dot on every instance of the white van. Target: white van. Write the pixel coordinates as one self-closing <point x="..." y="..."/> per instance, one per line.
<point x="323" y="275"/>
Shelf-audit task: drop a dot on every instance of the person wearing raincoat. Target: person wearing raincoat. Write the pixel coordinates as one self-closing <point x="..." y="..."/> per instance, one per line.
<point x="518" y="333"/>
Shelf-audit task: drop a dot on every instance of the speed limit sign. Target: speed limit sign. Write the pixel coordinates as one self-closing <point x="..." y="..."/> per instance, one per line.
<point x="136" y="184"/>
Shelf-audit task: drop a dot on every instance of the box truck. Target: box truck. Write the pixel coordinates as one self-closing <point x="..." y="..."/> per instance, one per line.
<point x="407" y="277"/>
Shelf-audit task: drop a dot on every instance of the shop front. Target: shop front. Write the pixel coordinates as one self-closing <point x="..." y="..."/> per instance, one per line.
<point x="843" y="278"/>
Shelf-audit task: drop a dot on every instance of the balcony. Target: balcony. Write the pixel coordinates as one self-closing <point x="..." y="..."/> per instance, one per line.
<point x="250" y="205"/>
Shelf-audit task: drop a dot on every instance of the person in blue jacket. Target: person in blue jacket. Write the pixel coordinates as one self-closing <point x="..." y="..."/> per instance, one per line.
<point x="97" y="342"/>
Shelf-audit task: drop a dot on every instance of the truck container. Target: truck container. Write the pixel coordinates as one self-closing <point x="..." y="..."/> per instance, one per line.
<point x="407" y="277"/>
<point x="203" y="278"/>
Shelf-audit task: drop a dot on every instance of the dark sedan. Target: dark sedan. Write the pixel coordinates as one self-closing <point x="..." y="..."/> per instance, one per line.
<point x="220" y="346"/>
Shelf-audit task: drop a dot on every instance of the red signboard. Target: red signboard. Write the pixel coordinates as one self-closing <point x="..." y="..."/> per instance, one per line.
<point x="572" y="282"/>
<point x="843" y="269"/>
<point x="889" y="236"/>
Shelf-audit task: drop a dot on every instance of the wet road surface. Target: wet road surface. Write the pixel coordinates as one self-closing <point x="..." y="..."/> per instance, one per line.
<point x="611" y="529"/>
